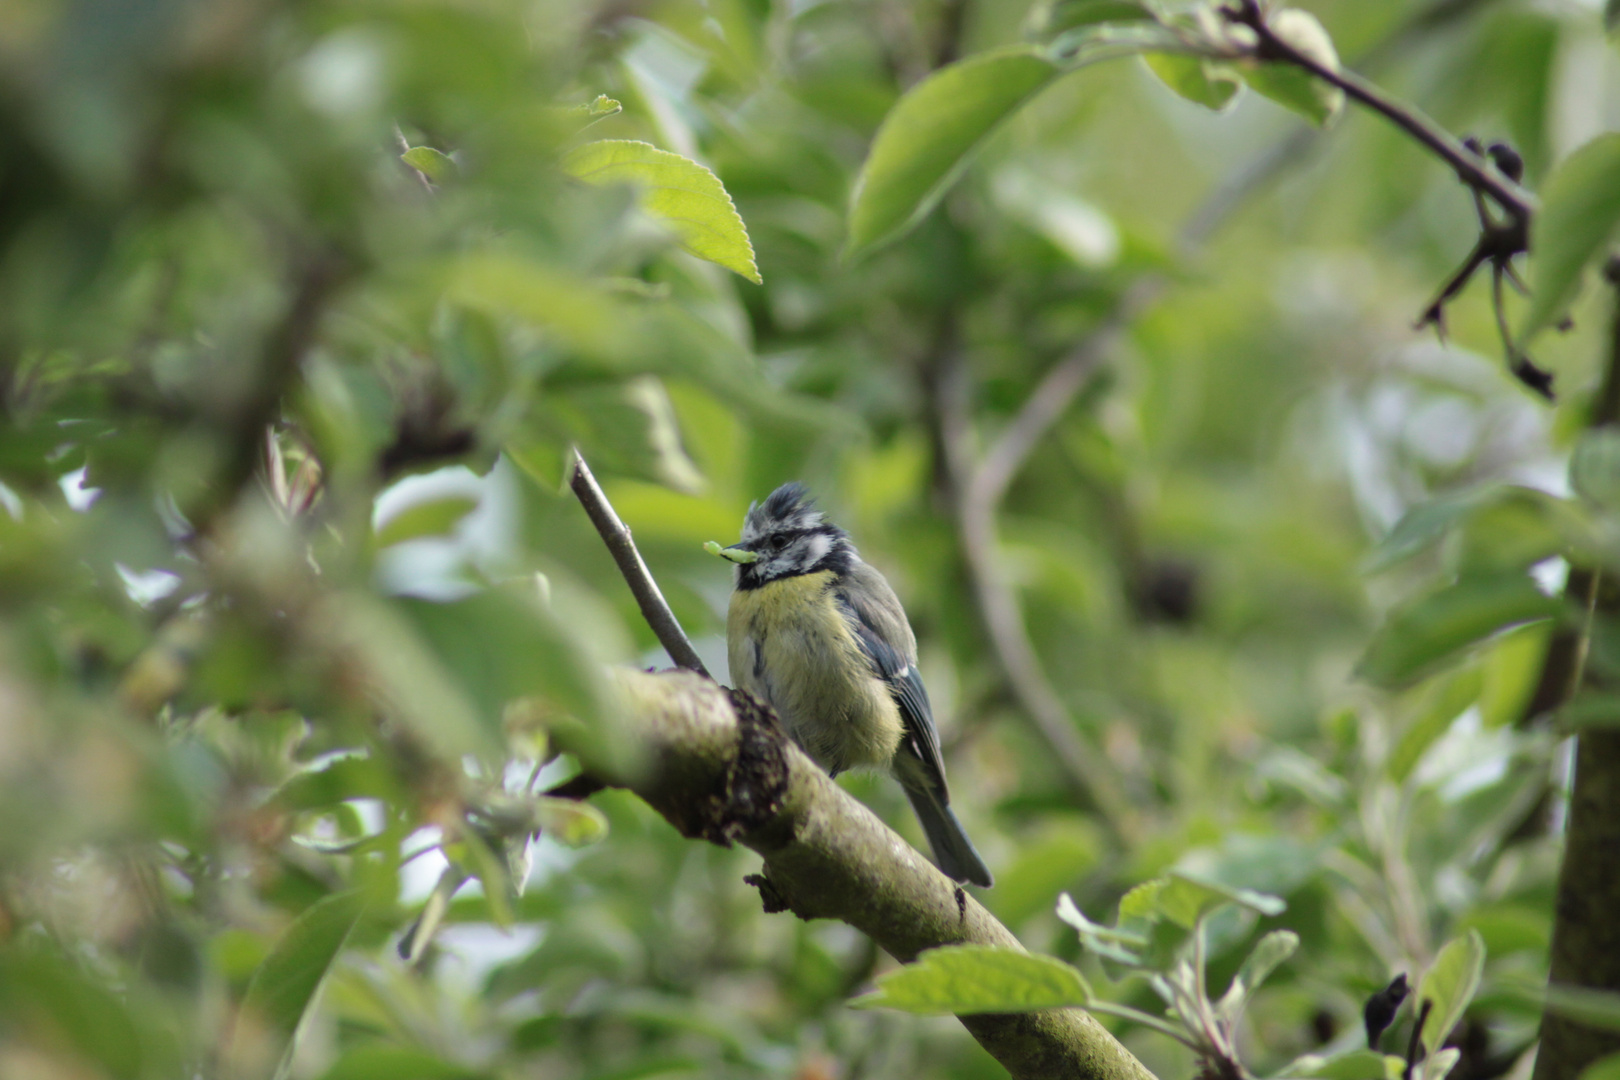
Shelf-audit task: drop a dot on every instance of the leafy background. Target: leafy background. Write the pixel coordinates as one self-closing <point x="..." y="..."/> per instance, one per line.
<point x="253" y="692"/>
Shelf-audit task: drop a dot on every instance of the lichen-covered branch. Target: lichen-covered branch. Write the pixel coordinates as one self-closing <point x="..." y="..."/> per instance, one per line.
<point x="719" y="768"/>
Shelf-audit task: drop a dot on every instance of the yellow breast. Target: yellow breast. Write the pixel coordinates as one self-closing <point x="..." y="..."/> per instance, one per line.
<point x="789" y="643"/>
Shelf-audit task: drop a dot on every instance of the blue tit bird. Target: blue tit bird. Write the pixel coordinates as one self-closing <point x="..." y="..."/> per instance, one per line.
<point x="821" y="637"/>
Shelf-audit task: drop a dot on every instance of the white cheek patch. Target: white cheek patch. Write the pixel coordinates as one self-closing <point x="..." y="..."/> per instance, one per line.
<point x="816" y="547"/>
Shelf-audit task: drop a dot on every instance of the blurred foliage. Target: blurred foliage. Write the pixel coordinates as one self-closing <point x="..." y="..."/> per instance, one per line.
<point x="302" y="306"/>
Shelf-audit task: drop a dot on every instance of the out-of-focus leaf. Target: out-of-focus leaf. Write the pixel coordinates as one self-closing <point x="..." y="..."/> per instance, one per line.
<point x="379" y="1061"/>
<point x="1607" y="1068"/>
<point x="1291" y="87"/>
<point x="1594" y="466"/>
<point x="1355" y="1065"/>
<point x="627" y="428"/>
<point x="575" y="824"/>
<point x="929" y="136"/>
<point x="1440" y="708"/>
<point x="285" y="984"/>
<point x="1195" y="78"/>
<point x="501" y="647"/>
<point x="1270" y="951"/>
<point x="1420" y="636"/>
<point x="967" y="979"/>
<point x="41" y="991"/>
<point x="1449" y="985"/>
<point x="414" y="942"/>
<point x="677" y="191"/>
<point x="1422" y="526"/>
<point x="1438" y="1064"/>
<point x="436" y="517"/>
<point x="431" y="163"/>
<point x="1580" y="207"/>
<point x="1611" y="15"/>
<point x="1590" y="709"/>
<point x="1051" y="17"/>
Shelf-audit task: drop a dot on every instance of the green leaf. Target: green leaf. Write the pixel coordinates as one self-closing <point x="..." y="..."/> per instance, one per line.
<point x="1355" y="1065"/>
<point x="625" y="427"/>
<point x="1594" y="466"/>
<point x="280" y="993"/>
<point x="1580" y="207"/>
<point x="1270" y="951"/>
<point x="576" y="824"/>
<point x="1184" y="900"/>
<point x="1590" y="709"/>
<point x="677" y="191"/>
<point x="1607" y="1068"/>
<point x="501" y="647"/>
<point x="432" y="164"/>
<point x="436" y="517"/>
<point x="1441" y="706"/>
<point x="1423" y="525"/>
<point x="929" y="136"/>
<point x="1420" y="636"/>
<point x="378" y="1061"/>
<point x="1291" y="86"/>
<point x="967" y="979"/>
<point x="1195" y="78"/>
<point x="1449" y="985"/>
<point x="1438" y="1064"/>
<point x="1051" y="17"/>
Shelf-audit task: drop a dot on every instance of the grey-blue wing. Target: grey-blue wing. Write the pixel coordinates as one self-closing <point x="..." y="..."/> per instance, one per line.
<point x="899" y="672"/>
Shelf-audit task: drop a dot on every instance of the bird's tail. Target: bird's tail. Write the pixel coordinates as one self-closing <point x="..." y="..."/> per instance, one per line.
<point x="954" y="852"/>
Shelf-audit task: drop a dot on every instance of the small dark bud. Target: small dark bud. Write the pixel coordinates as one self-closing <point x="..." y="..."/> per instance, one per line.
<point x="1382" y="1007"/>
<point x="1475" y="145"/>
<point x="1564" y="325"/>
<point x="1508" y="160"/>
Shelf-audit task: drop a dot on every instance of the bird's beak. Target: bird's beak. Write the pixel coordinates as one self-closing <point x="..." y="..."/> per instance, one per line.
<point x="736" y="554"/>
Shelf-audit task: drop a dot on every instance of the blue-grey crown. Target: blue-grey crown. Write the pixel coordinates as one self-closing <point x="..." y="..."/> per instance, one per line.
<point x="790" y="508"/>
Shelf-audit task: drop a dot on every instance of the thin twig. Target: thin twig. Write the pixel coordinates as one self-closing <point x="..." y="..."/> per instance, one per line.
<point x="616" y="535"/>
<point x="1470" y="167"/>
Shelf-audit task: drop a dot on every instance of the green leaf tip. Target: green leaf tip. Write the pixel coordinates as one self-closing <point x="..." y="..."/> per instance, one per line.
<point x="678" y="192"/>
<point x="436" y="165"/>
<point x="968" y="979"/>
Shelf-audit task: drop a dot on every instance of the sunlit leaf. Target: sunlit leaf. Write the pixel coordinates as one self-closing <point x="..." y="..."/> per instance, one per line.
<point x="1195" y="78"/>
<point x="1291" y="86"/>
<point x="1449" y="985"/>
<point x="967" y="979"/>
<point x="1421" y="635"/>
<point x="431" y="163"/>
<point x="678" y="191"/>
<point x="1580" y="207"/>
<point x="929" y="136"/>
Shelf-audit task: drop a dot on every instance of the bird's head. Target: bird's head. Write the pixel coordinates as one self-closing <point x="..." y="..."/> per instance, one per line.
<point x="786" y="536"/>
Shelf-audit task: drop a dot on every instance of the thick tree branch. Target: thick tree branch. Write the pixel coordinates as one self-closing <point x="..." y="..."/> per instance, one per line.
<point x="1585" y="949"/>
<point x="718" y="767"/>
<point x="616" y="535"/>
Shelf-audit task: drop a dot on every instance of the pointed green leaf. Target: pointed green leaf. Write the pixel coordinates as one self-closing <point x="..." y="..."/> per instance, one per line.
<point x="677" y="191"/>
<point x="1184" y="900"/>
<point x="1263" y="959"/>
<point x="1422" y="635"/>
<point x="1449" y="985"/>
<point x="1211" y="85"/>
<point x="432" y="164"/>
<point x="1292" y="87"/>
<point x="1420" y="527"/>
<point x="930" y="134"/>
<point x="286" y="982"/>
<point x="1580" y="207"/>
<point x="967" y="979"/>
